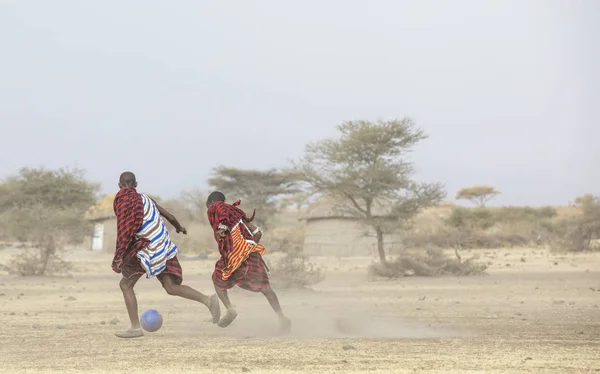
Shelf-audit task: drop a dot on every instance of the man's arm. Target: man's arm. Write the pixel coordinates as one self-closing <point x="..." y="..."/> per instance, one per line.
<point x="255" y="231"/>
<point x="171" y="218"/>
<point x="219" y="221"/>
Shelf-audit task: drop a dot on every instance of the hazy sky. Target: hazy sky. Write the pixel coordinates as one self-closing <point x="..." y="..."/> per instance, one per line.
<point x="508" y="90"/>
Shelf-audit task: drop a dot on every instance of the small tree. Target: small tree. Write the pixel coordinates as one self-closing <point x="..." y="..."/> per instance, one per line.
<point x="257" y="189"/>
<point x="590" y="222"/>
<point x="478" y="195"/>
<point x="45" y="209"/>
<point x="366" y="168"/>
<point x="581" y="230"/>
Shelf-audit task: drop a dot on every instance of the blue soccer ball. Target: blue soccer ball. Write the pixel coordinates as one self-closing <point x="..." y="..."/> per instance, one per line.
<point x="151" y="320"/>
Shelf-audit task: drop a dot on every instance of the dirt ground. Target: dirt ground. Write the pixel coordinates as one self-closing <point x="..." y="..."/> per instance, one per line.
<point x="540" y="314"/>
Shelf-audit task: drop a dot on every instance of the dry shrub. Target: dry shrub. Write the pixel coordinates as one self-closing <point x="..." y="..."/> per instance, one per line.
<point x="35" y="261"/>
<point x="295" y="271"/>
<point x="434" y="263"/>
<point x="434" y="237"/>
<point x="574" y="236"/>
<point x="284" y="239"/>
<point x="579" y="233"/>
<point x="486" y="228"/>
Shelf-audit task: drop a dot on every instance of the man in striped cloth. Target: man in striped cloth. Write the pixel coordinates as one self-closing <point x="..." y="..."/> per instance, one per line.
<point x="241" y="262"/>
<point x="144" y="247"/>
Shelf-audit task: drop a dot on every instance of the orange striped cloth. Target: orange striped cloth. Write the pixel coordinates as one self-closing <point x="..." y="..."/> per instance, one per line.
<point x="240" y="251"/>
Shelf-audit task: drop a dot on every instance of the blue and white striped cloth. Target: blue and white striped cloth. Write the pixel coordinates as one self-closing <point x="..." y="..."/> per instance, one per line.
<point x="155" y="255"/>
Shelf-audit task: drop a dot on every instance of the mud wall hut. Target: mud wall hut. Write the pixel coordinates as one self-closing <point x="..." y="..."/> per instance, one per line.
<point x="104" y="222"/>
<point x="332" y="231"/>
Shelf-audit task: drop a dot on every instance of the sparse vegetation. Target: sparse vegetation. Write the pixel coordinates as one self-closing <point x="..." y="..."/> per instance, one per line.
<point x="295" y="271"/>
<point x="580" y="233"/>
<point x="487" y="228"/>
<point x="433" y="263"/>
<point x="367" y="170"/>
<point x="190" y="210"/>
<point x="260" y="189"/>
<point x="40" y="260"/>
<point x="288" y="240"/>
<point x="45" y="209"/>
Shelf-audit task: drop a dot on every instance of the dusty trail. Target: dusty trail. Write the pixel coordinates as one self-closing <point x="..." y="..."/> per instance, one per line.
<point x="529" y="317"/>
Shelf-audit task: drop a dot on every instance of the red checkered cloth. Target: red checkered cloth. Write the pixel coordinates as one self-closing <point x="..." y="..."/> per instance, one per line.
<point x="252" y="274"/>
<point x="129" y="209"/>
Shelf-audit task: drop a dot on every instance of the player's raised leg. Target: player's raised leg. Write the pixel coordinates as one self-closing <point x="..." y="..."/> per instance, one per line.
<point x="173" y="287"/>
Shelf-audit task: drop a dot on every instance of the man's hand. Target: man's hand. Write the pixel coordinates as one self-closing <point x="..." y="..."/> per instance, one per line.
<point x="257" y="237"/>
<point x="253" y="228"/>
<point x="220" y="234"/>
<point x="171" y="218"/>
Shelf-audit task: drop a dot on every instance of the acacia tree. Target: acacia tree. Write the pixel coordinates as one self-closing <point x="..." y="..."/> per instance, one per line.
<point x="366" y="168"/>
<point x="45" y="208"/>
<point x="256" y="188"/>
<point x="478" y="195"/>
<point x="298" y="200"/>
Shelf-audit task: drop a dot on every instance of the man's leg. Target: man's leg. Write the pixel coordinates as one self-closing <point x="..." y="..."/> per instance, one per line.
<point x="231" y="314"/>
<point x="274" y="301"/>
<point x="126" y="285"/>
<point x="187" y="292"/>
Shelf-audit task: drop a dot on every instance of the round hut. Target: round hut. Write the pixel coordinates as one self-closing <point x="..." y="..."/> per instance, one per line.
<point x="332" y="230"/>
<point x="102" y="217"/>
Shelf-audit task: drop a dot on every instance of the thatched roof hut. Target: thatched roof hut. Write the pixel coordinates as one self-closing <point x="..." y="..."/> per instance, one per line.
<point x="103" y="209"/>
<point x="103" y="218"/>
<point x="329" y="207"/>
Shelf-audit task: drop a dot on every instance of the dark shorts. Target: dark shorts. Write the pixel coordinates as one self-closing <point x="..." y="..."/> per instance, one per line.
<point x="252" y="275"/>
<point x="134" y="268"/>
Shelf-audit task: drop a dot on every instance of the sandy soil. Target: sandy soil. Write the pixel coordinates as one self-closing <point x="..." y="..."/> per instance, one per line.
<point x="540" y="314"/>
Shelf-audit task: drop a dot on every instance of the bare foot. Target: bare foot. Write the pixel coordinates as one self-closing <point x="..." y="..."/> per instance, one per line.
<point x="228" y="318"/>
<point x="131" y="333"/>
<point x="215" y="308"/>
<point x="286" y="326"/>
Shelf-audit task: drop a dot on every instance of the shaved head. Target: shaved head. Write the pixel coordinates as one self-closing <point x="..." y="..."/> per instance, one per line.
<point x="127" y="179"/>
<point x="214" y="197"/>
